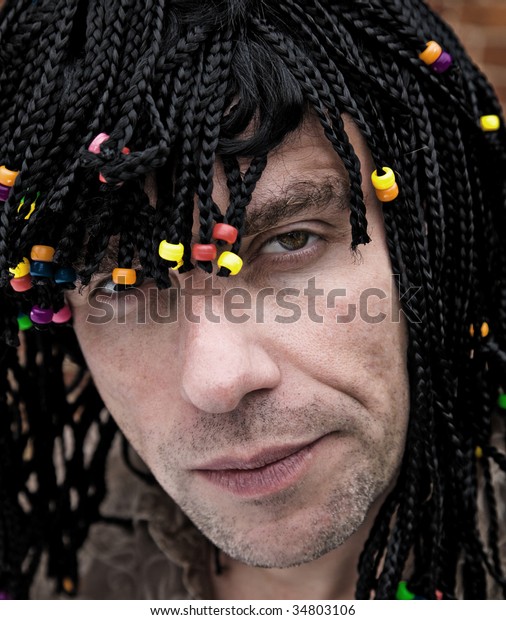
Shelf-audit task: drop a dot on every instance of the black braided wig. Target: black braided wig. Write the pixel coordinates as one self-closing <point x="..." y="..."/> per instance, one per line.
<point x="178" y="82"/>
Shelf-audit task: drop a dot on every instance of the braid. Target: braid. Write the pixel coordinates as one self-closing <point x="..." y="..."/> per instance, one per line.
<point x="183" y="90"/>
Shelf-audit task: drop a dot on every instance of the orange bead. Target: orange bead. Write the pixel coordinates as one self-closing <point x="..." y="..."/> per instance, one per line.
<point x="387" y="195"/>
<point x="431" y="53"/>
<point x="124" y="276"/>
<point x="7" y="177"/>
<point x="43" y="253"/>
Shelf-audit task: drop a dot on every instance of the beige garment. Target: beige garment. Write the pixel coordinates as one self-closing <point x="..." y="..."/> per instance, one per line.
<point x="164" y="557"/>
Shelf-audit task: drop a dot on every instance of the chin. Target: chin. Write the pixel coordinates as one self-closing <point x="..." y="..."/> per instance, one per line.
<point x="288" y="543"/>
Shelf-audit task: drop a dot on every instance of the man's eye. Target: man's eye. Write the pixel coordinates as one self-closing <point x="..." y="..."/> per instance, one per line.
<point x="290" y="241"/>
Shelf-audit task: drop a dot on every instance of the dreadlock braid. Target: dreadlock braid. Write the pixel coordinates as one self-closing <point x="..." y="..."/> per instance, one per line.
<point x="175" y="89"/>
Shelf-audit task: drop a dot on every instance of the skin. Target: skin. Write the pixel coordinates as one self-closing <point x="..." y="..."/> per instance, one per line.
<point x="188" y="393"/>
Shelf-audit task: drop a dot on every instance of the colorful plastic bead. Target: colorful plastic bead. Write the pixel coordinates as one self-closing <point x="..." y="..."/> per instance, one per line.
<point x="24" y="322"/>
<point x="41" y="316"/>
<point x="21" y="269"/>
<point x="443" y="63"/>
<point x="403" y="594"/>
<point x="387" y="195"/>
<point x="65" y="275"/>
<point x="501" y="401"/>
<point x="32" y="206"/>
<point x="225" y="232"/>
<point x="96" y="142"/>
<point x="124" y="276"/>
<point x="431" y="53"/>
<point x="204" y="251"/>
<point x="4" y="193"/>
<point x="44" y="253"/>
<point x="383" y="181"/>
<point x="171" y="251"/>
<point x="68" y="585"/>
<point x="95" y="148"/>
<point x="478" y="452"/>
<point x="63" y="315"/>
<point x="7" y="177"/>
<point x="490" y="122"/>
<point x="20" y="285"/>
<point x="40" y="269"/>
<point x="230" y="261"/>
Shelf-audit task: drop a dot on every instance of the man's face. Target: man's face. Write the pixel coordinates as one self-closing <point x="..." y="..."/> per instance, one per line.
<point x="277" y="437"/>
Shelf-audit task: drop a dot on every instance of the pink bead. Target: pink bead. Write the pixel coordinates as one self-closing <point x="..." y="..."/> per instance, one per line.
<point x="41" y="316"/>
<point x="20" y="285"/>
<point x="97" y="141"/>
<point x="63" y="315"/>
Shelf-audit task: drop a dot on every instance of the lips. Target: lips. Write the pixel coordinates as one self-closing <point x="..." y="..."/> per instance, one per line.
<point x="270" y="471"/>
<point x="262" y="458"/>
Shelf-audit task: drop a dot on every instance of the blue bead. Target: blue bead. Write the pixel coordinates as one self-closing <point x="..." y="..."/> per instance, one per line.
<point x="64" y="275"/>
<point x="41" y="270"/>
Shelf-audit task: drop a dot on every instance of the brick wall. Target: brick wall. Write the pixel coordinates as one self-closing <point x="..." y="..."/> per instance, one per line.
<point x="481" y="26"/>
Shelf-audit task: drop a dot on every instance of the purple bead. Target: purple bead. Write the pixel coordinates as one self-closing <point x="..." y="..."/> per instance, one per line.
<point x="443" y="63"/>
<point x="41" y="316"/>
<point x="4" y="192"/>
<point x="5" y="597"/>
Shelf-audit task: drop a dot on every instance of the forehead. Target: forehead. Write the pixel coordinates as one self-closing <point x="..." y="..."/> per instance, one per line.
<point x="305" y="156"/>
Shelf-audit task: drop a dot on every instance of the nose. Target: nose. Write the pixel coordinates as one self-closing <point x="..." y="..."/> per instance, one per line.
<point x="222" y="363"/>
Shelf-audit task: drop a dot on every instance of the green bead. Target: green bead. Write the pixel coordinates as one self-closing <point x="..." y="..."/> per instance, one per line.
<point x="24" y="322"/>
<point x="501" y="401"/>
<point x="403" y="594"/>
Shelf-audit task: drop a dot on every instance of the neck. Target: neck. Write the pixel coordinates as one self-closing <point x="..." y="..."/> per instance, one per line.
<point x="331" y="577"/>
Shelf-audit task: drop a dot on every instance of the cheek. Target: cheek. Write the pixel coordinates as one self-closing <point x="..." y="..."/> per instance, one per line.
<point x="128" y="372"/>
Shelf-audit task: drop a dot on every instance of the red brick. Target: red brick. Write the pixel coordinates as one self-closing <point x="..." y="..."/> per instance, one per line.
<point x="495" y="54"/>
<point x="493" y="15"/>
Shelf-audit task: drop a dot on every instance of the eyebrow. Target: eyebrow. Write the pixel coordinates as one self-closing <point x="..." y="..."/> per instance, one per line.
<point x="302" y="196"/>
<point x="299" y="197"/>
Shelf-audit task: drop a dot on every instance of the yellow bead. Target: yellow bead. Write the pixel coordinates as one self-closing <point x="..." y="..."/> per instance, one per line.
<point x="21" y="269"/>
<point x="485" y="330"/>
<point x="478" y="452"/>
<point x="179" y="264"/>
<point x="171" y="251"/>
<point x="384" y="181"/>
<point x="230" y="261"/>
<point x="490" y="122"/>
<point x="431" y="53"/>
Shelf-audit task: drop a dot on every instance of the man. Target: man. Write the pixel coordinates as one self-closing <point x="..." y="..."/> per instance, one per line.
<point x="267" y="169"/>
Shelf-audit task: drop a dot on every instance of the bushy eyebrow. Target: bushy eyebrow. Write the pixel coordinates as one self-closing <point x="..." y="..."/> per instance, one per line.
<point x="299" y="197"/>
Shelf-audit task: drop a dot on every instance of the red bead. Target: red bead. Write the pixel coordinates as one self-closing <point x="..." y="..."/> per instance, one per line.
<point x="204" y="251"/>
<point x="20" y="285"/>
<point x="225" y="232"/>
